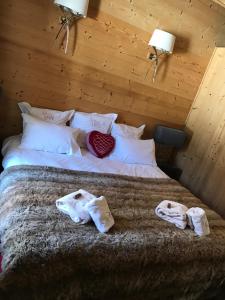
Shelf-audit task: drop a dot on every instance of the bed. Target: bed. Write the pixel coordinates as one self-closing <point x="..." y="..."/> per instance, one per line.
<point x="47" y="256"/>
<point x="16" y="156"/>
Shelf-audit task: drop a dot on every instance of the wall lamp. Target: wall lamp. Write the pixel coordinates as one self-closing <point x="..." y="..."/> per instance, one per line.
<point x="73" y="10"/>
<point x="162" y="42"/>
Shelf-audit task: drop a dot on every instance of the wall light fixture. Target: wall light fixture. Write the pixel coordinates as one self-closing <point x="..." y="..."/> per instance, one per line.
<point x="73" y="10"/>
<point x="162" y="42"/>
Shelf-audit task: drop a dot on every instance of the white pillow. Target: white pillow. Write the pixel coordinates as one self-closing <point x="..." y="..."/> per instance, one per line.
<point x="87" y="122"/>
<point x="132" y="151"/>
<point x="127" y="131"/>
<point x="44" y="136"/>
<point x="48" y="115"/>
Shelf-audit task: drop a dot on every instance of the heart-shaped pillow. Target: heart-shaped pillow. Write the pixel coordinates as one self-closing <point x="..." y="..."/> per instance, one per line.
<point x="100" y="144"/>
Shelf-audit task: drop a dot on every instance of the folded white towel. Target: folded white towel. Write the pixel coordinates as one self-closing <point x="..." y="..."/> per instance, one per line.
<point x="172" y="212"/>
<point x="74" y="205"/>
<point x="197" y="220"/>
<point x="99" y="211"/>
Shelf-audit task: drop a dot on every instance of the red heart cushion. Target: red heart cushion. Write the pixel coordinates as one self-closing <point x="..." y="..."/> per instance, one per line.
<point x="100" y="144"/>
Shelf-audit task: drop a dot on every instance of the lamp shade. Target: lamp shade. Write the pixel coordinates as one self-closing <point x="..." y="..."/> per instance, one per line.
<point x="77" y="6"/>
<point x="162" y="40"/>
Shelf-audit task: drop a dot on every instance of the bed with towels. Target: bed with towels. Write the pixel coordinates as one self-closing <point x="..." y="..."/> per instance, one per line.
<point x="48" y="256"/>
<point x="145" y="250"/>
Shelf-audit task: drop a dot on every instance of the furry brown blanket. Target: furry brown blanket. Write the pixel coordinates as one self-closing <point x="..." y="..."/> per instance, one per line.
<point x="47" y="256"/>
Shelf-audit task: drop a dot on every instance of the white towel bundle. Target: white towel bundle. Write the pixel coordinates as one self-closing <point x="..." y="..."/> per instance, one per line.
<point x="180" y="215"/>
<point x="197" y="220"/>
<point x="82" y="206"/>
<point x="172" y="212"/>
<point x="99" y="211"/>
<point x="74" y="206"/>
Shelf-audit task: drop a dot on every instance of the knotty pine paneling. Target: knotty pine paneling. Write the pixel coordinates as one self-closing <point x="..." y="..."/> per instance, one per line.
<point x="203" y="162"/>
<point x="106" y="68"/>
<point x="220" y="2"/>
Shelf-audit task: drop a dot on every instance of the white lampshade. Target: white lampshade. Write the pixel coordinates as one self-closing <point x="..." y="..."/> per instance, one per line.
<point x="77" y="6"/>
<point x="162" y="40"/>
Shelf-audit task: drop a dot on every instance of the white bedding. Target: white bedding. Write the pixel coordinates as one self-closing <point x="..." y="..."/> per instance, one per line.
<point x="16" y="156"/>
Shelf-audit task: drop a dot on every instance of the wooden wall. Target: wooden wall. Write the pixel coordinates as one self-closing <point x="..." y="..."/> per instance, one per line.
<point x="220" y="2"/>
<point x="203" y="162"/>
<point x="108" y="70"/>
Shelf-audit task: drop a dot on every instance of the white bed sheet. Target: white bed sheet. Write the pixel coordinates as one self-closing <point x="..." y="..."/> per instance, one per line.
<point x="15" y="156"/>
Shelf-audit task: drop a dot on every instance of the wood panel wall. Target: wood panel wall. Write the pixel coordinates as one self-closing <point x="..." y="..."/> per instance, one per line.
<point x="106" y="68"/>
<point x="203" y="162"/>
<point x="220" y="2"/>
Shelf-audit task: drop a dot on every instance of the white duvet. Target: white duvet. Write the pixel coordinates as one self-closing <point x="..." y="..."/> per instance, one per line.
<point x="15" y="156"/>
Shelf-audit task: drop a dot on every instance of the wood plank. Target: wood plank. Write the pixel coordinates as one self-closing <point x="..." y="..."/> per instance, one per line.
<point x="203" y="162"/>
<point x="220" y="2"/>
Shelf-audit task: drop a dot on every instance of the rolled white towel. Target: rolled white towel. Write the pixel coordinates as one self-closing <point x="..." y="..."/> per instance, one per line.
<point x="198" y="221"/>
<point x="100" y="213"/>
<point x="172" y="212"/>
<point x="74" y="205"/>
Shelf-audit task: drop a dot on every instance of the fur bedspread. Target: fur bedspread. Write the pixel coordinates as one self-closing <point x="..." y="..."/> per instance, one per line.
<point x="47" y="256"/>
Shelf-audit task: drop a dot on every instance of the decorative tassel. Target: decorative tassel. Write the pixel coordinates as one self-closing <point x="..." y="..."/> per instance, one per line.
<point x="66" y="23"/>
<point x="155" y="65"/>
<point x="67" y="37"/>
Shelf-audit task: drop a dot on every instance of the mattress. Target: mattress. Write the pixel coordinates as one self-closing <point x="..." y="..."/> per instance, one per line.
<point x="14" y="156"/>
<point x="47" y="256"/>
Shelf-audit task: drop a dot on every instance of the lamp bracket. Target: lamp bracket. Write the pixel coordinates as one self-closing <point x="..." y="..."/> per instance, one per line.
<point x="66" y="22"/>
<point x="162" y="43"/>
<point x="152" y="56"/>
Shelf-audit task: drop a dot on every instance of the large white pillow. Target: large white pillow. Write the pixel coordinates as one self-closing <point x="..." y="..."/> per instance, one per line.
<point x="44" y="136"/>
<point x="133" y="151"/>
<point x="48" y="115"/>
<point x="87" y="122"/>
<point x="127" y="131"/>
